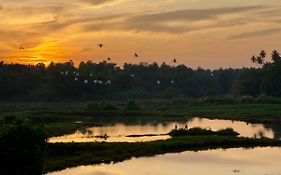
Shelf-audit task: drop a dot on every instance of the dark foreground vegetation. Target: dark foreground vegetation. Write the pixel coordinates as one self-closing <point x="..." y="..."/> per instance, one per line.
<point x="22" y="147"/>
<point x="91" y="81"/>
<point x="61" y="155"/>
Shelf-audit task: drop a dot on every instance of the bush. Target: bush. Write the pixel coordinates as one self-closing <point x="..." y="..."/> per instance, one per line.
<point x="182" y="101"/>
<point x="93" y="106"/>
<point x="108" y="106"/>
<point x="132" y="105"/>
<point x="217" y="100"/>
<point x="22" y="147"/>
<point x="227" y="132"/>
<point x="203" y="132"/>
<point x="268" y="100"/>
<point x="101" y="106"/>
<point x="246" y="99"/>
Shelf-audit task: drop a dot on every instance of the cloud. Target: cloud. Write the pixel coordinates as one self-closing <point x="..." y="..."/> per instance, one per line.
<point x="261" y="33"/>
<point x="192" y="15"/>
<point x="92" y="2"/>
<point x="166" y="22"/>
<point x="86" y="50"/>
<point x="17" y="38"/>
<point x="28" y="10"/>
<point x="145" y="22"/>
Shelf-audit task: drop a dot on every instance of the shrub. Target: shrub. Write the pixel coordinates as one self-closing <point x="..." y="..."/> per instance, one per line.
<point x="93" y="106"/>
<point x="101" y="106"/>
<point x="132" y="105"/>
<point x="268" y="100"/>
<point x="22" y="147"/>
<point x="217" y="100"/>
<point x="203" y="132"/>
<point x="227" y="132"/>
<point x="246" y="99"/>
<point x="108" y="106"/>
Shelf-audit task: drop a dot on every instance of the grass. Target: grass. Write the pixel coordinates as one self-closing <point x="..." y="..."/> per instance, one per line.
<point x="61" y="155"/>
<point x="59" y="118"/>
<point x="241" y="111"/>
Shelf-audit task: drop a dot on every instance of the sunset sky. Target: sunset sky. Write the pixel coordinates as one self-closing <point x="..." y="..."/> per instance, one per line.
<point x="205" y="33"/>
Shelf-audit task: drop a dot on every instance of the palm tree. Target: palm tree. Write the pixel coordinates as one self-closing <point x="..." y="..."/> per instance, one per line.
<point x="262" y="54"/>
<point x="275" y="55"/>
<point x="260" y="60"/>
<point x="253" y="59"/>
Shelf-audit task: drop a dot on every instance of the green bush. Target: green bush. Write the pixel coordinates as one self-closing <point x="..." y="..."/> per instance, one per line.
<point x="267" y="100"/>
<point x="203" y="132"/>
<point x="101" y="106"/>
<point x="227" y="132"/>
<point x="108" y="106"/>
<point x="246" y="99"/>
<point x="132" y="105"/>
<point x="181" y="101"/>
<point x="217" y="100"/>
<point x="22" y="147"/>
<point x="93" y="106"/>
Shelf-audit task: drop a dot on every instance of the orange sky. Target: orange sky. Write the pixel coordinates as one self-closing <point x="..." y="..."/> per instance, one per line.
<point x="205" y="33"/>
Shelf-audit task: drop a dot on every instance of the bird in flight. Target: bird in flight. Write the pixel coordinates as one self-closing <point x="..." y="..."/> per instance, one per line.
<point x="108" y="59"/>
<point x="101" y="45"/>
<point x="136" y="55"/>
<point x="21" y="48"/>
<point x="174" y="60"/>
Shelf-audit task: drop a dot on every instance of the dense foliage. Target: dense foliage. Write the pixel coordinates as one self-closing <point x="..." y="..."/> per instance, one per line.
<point x="21" y="147"/>
<point x="91" y="81"/>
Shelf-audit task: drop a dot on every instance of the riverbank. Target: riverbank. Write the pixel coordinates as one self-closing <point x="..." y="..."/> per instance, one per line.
<point x="64" y="118"/>
<point x="60" y="156"/>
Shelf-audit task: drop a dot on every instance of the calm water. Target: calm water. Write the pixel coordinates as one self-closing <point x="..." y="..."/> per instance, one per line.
<point x="258" y="161"/>
<point x="118" y="132"/>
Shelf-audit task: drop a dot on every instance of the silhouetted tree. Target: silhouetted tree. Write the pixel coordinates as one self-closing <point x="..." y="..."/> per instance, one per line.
<point x="107" y="81"/>
<point x="275" y="56"/>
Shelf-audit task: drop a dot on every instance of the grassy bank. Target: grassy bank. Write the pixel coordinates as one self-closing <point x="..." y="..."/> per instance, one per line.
<point x="54" y="112"/>
<point x="60" y="155"/>
<point x="61" y="118"/>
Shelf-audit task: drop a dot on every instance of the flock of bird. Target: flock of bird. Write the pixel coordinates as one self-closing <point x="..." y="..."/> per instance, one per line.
<point x="101" y="45"/>
<point x="86" y="81"/>
<point x="99" y="81"/>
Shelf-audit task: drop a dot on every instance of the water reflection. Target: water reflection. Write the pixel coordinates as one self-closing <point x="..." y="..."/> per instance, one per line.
<point x="117" y="132"/>
<point x="258" y="161"/>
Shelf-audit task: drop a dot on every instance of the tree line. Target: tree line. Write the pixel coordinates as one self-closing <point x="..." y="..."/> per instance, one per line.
<point x="107" y="81"/>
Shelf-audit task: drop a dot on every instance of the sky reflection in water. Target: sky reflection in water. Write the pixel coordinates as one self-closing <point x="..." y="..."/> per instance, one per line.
<point x="258" y="161"/>
<point x="118" y="132"/>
